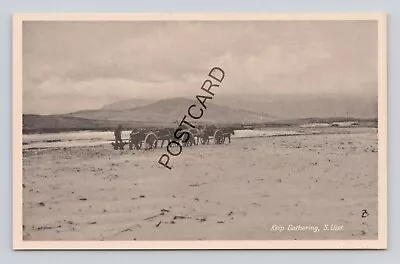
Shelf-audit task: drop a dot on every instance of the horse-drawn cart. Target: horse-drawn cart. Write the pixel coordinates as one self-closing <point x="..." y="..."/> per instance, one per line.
<point x="141" y="138"/>
<point x="138" y="139"/>
<point x="149" y="138"/>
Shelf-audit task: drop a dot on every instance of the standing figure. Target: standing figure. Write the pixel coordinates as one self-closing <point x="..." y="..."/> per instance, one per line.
<point x="117" y="134"/>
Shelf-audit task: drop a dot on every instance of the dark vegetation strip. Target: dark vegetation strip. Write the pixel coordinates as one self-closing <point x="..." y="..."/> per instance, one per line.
<point x="362" y="122"/>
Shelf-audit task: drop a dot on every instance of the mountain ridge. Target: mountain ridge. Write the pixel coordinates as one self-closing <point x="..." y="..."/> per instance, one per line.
<point x="172" y="109"/>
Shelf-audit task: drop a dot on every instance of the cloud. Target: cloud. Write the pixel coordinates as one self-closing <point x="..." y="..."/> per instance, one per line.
<point x="93" y="63"/>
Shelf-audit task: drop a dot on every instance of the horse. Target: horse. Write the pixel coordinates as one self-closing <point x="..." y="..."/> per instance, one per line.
<point x="227" y="132"/>
<point x="165" y="134"/>
<point x="221" y="134"/>
<point x="136" y="138"/>
<point x="191" y="141"/>
<point x="206" y="133"/>
<point x="197" y="134"/>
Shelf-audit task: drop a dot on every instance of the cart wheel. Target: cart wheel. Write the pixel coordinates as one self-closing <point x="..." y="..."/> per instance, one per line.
<point x="218" y="137"/>
<point x="151" y="141"/>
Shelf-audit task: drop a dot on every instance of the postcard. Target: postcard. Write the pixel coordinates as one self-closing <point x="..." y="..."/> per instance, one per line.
<point x="200" y="131"/>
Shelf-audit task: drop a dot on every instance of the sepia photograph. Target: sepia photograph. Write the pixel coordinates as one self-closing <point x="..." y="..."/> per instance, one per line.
<point x="199" y="131"/>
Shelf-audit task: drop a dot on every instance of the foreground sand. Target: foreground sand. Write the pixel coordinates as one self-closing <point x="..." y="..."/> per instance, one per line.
<point x="237" y="191"/>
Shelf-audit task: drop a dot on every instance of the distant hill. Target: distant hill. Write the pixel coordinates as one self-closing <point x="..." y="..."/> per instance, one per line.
<point x="286" y="106"/>
<point x="57" y="123"/>
<point x="127" y="104"/>
<point x="170" y="110"/>
<point x="40" y="123"/>
<point x="305" y="105"/>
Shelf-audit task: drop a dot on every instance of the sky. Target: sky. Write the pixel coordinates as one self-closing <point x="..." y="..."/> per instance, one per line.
<point x="71" y="66"/>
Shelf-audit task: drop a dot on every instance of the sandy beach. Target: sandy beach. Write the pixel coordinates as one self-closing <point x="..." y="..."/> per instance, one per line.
<point x="239" y="191"/>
